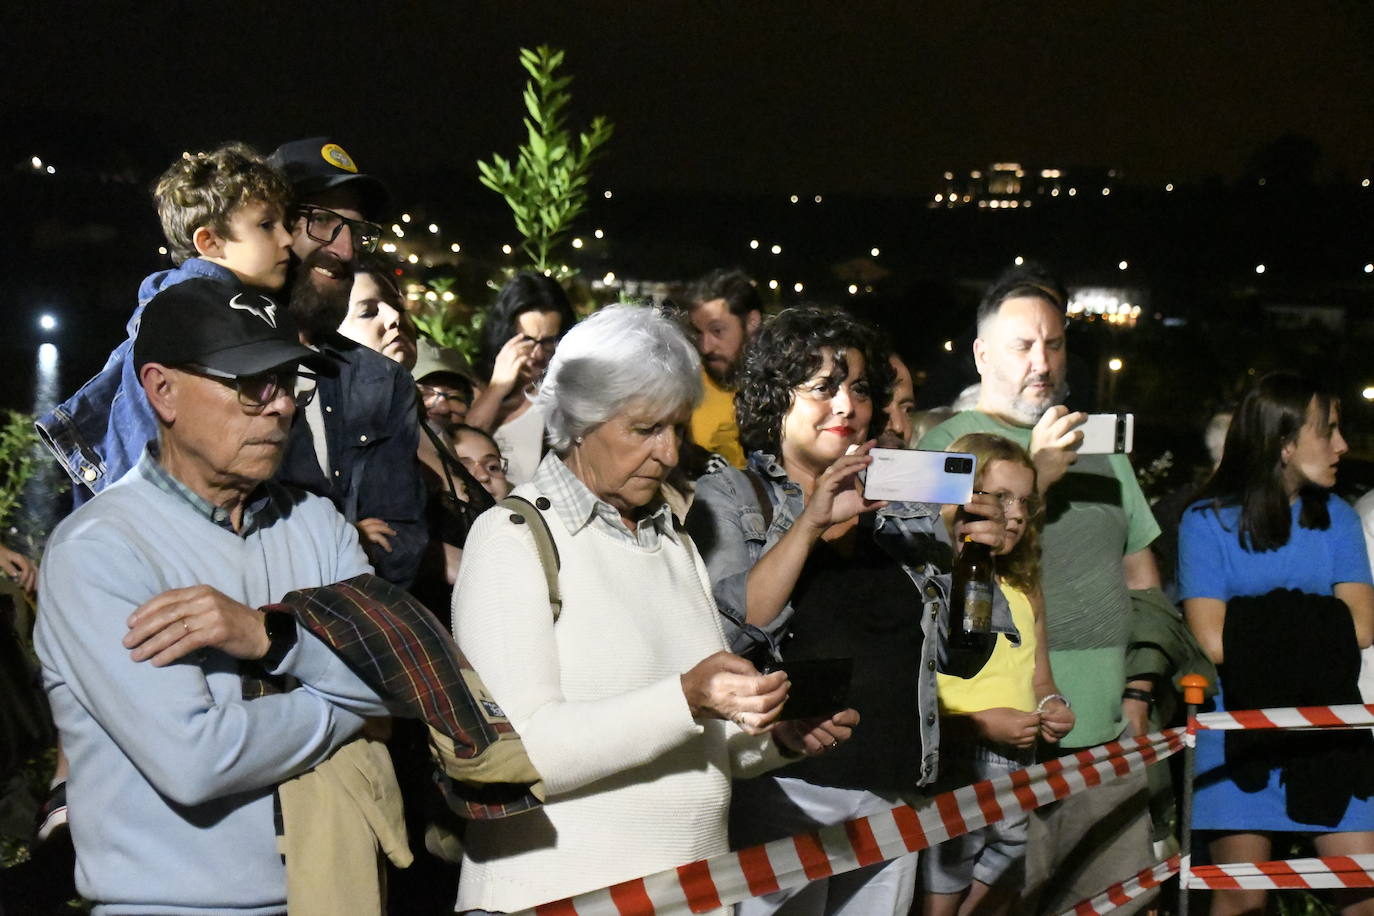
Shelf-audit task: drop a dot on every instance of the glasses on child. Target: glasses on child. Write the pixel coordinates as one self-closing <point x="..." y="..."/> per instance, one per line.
<point x="324" y="225"/>
<point x="495" y="467"/>
<point x="260" y="389"/>
<point x="430" y="395"/>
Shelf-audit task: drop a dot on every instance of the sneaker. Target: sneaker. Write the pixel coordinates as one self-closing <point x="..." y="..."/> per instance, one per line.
<point x="53" y="815"/>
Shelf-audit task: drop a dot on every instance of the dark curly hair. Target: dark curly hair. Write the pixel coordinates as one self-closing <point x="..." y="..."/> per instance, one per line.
<point x="786" y="352"/>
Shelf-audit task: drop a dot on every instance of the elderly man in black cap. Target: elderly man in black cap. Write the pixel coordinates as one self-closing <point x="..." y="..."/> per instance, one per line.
<point x="149" y="637"/>
<point x="356" y="440"/>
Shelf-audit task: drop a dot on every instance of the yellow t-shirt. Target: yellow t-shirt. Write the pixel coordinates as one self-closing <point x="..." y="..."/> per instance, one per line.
<point x="1008" y="678"/>
<point x="713" y="423"/>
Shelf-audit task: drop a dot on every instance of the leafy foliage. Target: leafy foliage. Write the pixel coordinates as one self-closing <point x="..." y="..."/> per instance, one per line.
<point x="445" y="319"/>
<point x="546" y="185"/>
<point x="17" y="443"/>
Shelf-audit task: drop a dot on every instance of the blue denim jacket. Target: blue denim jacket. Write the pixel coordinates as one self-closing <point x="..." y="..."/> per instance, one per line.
<point x="727" y="525"/>
<point x="372" y="432"/>
<point x="99" y="433"/>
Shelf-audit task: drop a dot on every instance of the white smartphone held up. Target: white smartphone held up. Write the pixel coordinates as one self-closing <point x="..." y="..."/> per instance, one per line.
<point x="915" y="476"/>
<point x="1106" y="433"/>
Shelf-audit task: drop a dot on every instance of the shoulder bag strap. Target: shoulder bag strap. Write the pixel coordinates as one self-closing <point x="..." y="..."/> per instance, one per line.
<point x="543" y="542"/>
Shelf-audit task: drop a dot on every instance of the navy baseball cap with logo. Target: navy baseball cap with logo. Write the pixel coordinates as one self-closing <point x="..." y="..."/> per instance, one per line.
<point x="318" y="164"/>
<point x="212" y="324"/>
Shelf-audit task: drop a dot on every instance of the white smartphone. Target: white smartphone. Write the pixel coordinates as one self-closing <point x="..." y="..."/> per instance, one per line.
<point x="915" y="476"/>
<point x="1105" y="433"/>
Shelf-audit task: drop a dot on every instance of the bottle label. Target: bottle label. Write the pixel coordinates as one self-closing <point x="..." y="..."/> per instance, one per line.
<point x="977" y="607"/>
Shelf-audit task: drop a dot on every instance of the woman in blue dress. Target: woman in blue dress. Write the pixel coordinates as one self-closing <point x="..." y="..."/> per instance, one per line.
<point x="1268" y="520"/>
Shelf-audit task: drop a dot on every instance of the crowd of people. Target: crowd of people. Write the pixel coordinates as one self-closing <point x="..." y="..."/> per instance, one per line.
<point x="646" y="532"/>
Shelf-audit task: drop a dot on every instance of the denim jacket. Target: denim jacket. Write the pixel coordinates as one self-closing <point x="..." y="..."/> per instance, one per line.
<point x="99" y="433"/>
<point x="371" y="433"/>
<point x="727" y="525"/>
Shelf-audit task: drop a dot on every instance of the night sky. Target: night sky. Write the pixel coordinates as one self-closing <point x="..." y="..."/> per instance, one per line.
<point x="722" y="95"/>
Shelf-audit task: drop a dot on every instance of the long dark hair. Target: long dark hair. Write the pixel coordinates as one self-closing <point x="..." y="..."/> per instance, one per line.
<point x="524" y="292"/>
<point x="786" y="352"/>
<point x="1270" y="416"/>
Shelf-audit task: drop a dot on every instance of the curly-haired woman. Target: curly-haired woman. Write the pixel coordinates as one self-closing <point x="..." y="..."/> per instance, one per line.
<point x="798" y="557"/>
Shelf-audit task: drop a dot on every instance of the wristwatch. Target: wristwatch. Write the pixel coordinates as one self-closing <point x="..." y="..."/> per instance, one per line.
<point x="281" y="637"/>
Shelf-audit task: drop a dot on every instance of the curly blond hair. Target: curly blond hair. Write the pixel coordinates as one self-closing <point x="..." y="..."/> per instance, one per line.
<point x="204" y="189"/>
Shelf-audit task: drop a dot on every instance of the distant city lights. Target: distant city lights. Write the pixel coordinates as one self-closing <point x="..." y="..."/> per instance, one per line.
<point x="389" y="247"/>
<point x="577" y="243"/>
<point x="433" y="228"/>
<point x="506" y="249"/>
<point x="874" y="252"/>
<point x="162" y="249"/>
<point x="609" y="278"/>
<point x="818" y="198"/>
<point x="853" y="289"/>
<point x="798" y="287"/>
<point x="1369" y="268"/>
<point x="607" y="194"/>
<point x="414" y="259"/>
<point x="47" y="322"/>
<point x="1259" y="268"/>
<point x="754" y="244"/>
<point x="599" y="234"/>
<point x="1018" y="260"/>
<point x="1115" y="364"/>
<point x="776" y="249"/>
<point x="397" y="231"/>
<point x="794" y="199"/>
<point x="455" y="248"/>
<point x="1169" y="187"/>
<point x="405" y="217"/>
<point x="38" y="164"/>
<point x="772" y="284"/>
<point x="1122" y="265"/>
<point x="1106" y="192"/>
<point x="51" y="171"/>
<point x="949" y="346"/>
<point x="1368" y="394"/>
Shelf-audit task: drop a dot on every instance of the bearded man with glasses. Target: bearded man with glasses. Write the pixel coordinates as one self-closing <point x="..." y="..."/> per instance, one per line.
<point x="355" y="442"/>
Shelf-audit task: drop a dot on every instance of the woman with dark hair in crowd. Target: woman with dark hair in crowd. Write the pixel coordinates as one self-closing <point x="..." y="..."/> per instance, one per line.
<point x="799" y="558"/>
<point x="629" y="705"/>
<point x="519" y="335"/>
<point x="1275" y="582"/>
<point x="377" y="316"/>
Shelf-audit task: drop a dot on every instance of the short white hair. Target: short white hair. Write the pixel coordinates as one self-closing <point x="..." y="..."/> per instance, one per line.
<point x="622" y="355"/>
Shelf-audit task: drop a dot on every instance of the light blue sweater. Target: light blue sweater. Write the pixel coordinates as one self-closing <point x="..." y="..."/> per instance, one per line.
<point x="172" y="771"/>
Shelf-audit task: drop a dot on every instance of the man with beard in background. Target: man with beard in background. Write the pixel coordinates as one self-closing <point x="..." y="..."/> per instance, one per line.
<point x="725" y="312"/>
<point x="356" y="441"/>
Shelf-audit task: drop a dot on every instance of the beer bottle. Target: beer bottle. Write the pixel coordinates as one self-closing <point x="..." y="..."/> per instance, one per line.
<point x="971" y="639"/>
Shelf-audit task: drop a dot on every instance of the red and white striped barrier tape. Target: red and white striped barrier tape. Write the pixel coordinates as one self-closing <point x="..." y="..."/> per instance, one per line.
<point x="1124" y="892"/>
<point x="1327" y="872"/>
<point x="1354" y="715"/>
<point x="725" y="879"/>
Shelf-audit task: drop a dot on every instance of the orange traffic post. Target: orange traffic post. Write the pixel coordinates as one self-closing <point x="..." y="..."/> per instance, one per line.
<point x="1194" y="692"/>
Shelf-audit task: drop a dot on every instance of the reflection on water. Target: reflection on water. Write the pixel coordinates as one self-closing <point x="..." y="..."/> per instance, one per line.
<point x="47" y="496"/>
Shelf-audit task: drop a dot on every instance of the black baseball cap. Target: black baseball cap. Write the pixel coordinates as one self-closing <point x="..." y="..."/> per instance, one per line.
<point x="318" y="164"/>
<point x="218" y="326"/>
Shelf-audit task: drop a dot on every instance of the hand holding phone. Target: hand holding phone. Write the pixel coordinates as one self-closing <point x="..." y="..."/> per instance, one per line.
<point x="912" y="475"/>
<point x="820" y="686"/>
<point x="1108" y="433"/>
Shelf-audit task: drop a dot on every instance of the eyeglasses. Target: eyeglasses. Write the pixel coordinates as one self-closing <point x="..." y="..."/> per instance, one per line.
<point x="428" y="393"/>
<point x="547" y="344"/>
<point x="1007" y="501"/>
<point x="495" y="467"/>
<point x="258" y="390"/>
<point x="324" y="226"/>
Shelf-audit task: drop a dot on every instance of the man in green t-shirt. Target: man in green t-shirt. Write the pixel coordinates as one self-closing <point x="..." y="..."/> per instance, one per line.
<point x="1098" y="528"/>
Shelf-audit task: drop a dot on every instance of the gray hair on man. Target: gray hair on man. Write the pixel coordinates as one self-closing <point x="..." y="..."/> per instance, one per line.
<point x="621" y="355"/>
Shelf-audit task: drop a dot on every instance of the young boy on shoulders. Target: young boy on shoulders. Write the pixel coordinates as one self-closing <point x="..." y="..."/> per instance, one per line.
<point x="223" y="214"/>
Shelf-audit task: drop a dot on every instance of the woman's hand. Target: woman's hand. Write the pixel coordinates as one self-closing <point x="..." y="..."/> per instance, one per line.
<point x="19" y="568"/>
<point x="1007" y="726"/>
<point x="838" y="496"/>
<point x="816" y="736"/>
<point x="725" y="686"/>
<point x="981" y="520"/>
<point x="1056" y="721"/>
<point x="511" y="363"/>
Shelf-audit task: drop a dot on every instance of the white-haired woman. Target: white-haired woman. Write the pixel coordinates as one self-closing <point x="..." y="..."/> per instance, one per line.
<point x="630" y="706"/>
